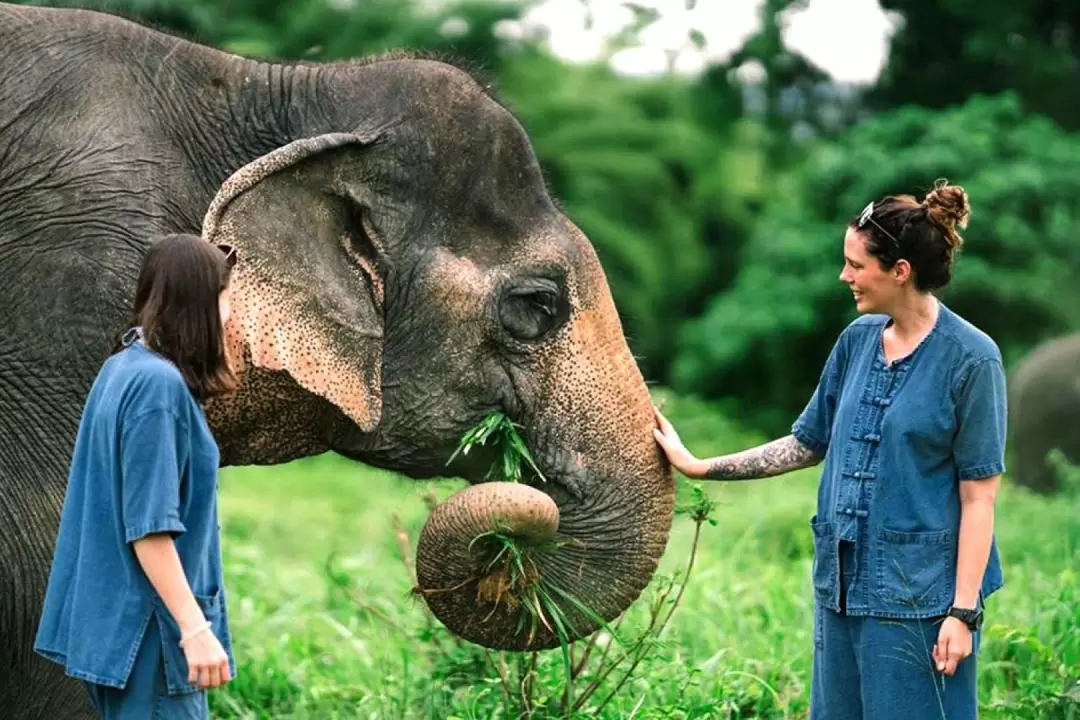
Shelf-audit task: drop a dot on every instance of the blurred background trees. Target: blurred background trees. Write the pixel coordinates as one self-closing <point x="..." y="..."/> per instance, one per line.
<point x="716" y="200"/>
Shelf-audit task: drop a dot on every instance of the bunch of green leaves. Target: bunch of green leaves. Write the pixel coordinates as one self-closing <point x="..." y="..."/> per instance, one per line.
<point x="511" y="450"/>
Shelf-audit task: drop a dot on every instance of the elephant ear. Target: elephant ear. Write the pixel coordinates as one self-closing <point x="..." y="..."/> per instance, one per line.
<point x="307" y="289"/>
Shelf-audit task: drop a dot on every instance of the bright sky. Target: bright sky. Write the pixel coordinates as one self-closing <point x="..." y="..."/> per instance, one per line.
<point x="846" y="38"/>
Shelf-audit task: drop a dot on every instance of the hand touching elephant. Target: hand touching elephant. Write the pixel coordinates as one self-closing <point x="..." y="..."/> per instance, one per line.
<point x="404" y="273"/>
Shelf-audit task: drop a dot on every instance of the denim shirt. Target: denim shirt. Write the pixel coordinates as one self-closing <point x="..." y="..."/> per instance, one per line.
<point x="144" y="462"/>
<point x="898" y="438"/>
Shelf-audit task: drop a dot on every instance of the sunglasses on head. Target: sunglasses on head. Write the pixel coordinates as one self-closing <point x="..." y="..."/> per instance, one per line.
<point x="230" y="254"/>
<point x="867" y="216"/>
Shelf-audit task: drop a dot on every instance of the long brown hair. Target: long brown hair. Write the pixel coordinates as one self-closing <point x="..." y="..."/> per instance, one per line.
<point x="176" y="305"/>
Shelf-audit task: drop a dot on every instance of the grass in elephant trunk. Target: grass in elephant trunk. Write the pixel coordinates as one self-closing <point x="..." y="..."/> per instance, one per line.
<point x="511" y="577"/>
<point x="510" y="574"/>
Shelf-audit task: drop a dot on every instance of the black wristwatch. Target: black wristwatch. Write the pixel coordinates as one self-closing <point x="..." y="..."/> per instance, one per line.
<point x="972" y="618"/>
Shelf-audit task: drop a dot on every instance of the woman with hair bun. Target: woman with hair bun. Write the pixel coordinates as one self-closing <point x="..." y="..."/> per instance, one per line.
<point x="909" y="417"/>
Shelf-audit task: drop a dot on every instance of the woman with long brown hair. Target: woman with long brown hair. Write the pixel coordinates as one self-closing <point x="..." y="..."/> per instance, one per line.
<point x="135" y="605"/>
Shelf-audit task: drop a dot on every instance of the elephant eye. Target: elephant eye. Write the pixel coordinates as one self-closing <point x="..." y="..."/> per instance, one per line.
<point x="531" y="310"/>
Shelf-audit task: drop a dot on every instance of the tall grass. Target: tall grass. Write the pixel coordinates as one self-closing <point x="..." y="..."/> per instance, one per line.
<point x="512" y="575"/>
<point x="319" y="572"/>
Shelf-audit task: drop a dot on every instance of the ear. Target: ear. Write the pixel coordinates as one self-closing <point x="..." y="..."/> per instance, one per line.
<point x="901" y="271"/>
<point x="307" y="289"/>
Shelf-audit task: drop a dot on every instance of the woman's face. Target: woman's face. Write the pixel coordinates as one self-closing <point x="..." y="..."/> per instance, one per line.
<point x="875" y="289"/>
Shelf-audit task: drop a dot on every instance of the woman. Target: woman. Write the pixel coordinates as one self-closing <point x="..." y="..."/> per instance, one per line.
<point x="909" y="416"/>
<point x="135" y="604"/>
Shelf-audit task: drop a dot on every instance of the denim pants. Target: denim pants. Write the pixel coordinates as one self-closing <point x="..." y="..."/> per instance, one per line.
<point x="145" y="697"/>
<point x="868" y="668"/>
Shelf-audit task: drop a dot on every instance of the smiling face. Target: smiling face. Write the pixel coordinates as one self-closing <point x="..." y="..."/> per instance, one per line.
<point x="875" y="289"/>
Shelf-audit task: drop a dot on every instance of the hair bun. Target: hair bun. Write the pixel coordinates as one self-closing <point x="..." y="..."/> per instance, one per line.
<point x="948" y="206"/>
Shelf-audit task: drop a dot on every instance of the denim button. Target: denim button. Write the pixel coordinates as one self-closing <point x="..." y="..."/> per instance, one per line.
<point x="871" y="437"/>
<point x="861" y="513"/>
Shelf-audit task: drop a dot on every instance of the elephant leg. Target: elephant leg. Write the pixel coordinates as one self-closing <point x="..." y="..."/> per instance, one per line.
<point x="42" y="692"/>
<point x="33" y="473"/>
<point x="31" y="687"/>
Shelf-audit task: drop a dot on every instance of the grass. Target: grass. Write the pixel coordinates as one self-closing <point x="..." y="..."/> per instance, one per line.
<point x="319" y="573"/>
<point x="509" y="447"/>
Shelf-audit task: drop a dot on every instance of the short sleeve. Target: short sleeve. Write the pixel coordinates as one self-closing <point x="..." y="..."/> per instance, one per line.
<point x="813" y="427"/>
<point x="152" y="450"/>
<point x="979" y="447"/>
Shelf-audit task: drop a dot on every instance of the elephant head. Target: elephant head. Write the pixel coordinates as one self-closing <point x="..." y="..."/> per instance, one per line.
<point x="400" y="280"/>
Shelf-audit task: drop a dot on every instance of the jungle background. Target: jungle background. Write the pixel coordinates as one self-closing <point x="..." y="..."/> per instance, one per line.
<point x="716" y="201"/>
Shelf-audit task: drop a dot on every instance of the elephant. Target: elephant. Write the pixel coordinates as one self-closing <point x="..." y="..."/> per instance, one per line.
<point x="403" y="273"/>
<point x="1044" y="411"/>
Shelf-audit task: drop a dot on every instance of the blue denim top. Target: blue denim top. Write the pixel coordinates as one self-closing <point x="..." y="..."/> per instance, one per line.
<point x="898" y="438"/>
<point x="144" y="462"/>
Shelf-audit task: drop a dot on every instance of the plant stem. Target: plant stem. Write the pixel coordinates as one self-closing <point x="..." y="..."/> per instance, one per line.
<point x="638" y="650"/>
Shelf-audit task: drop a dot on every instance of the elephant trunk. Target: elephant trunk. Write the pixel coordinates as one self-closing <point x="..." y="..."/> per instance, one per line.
<point x="518" y="567"/>
<point x="502" y="565"/>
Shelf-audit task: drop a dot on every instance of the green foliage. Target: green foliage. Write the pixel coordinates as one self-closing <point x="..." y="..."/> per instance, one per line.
<point x="1067" y="474"/>
<point x="765" y="341"/>
<point x="945" y="51"/>
<point x="324" y="30"/>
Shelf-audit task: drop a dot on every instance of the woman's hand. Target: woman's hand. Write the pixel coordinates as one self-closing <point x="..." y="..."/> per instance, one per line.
<point x="953" y="645"/>
<point x="682" y="459"/>
<point x="208" y="665"/>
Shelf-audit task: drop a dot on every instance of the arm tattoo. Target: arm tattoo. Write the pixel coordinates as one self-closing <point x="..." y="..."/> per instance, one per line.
<point x="773" y="458"/>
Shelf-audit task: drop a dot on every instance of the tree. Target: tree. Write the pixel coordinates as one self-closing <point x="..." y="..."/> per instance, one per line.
<point x="764" y="342"/>
<point x="947" y="50"/>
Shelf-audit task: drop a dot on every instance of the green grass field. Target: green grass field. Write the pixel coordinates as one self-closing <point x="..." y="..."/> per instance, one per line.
<point x="324" y="627"/>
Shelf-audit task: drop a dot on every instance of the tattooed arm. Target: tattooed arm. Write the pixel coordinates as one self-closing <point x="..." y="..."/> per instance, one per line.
<point x="772" y="458"/>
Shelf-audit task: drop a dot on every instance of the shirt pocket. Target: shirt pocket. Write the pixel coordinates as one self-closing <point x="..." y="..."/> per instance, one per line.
<point x="914" y="568"/>
<point x="176" y="667"/>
